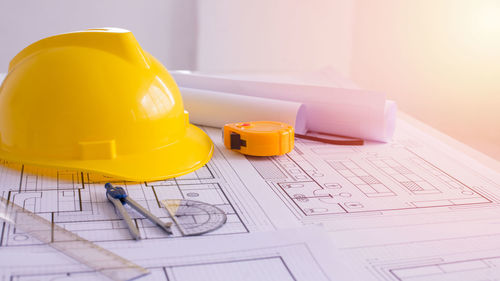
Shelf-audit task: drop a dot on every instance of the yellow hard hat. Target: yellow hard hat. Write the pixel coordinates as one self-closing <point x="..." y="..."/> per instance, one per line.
<point x="93" y="100"/>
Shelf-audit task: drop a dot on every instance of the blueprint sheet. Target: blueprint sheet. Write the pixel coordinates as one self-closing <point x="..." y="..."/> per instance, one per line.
<point x="412" y="209"/>
<point x="296" y="254"/>
<point x="246" y="247"/>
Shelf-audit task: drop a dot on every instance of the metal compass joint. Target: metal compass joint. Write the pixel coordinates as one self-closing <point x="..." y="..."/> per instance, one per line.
<point x="119" y="197"/>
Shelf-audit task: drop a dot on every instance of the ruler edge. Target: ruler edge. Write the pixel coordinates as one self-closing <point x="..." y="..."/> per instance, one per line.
<point x="14" y="209"/>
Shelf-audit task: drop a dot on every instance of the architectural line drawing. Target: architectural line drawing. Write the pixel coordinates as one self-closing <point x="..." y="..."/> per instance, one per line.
<point x="349" y="181"/>
<point x="412" y="209"/>
<point x="76" y="201"/>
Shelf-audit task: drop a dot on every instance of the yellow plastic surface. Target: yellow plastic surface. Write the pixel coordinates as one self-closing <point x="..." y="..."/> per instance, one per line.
<point x="261" y="138"/>
<point x="94" y="100"/>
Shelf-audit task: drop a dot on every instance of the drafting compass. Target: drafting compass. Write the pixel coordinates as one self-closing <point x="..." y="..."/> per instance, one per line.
<point x="194" y="217"/>
<point x="119" y="197"/>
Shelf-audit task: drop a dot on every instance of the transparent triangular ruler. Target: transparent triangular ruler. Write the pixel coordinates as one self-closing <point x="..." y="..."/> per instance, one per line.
<point x="95" y="257"/>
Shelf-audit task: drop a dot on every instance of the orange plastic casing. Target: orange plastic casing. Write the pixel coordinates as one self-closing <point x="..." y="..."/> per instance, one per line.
<point x="259" y="138"/>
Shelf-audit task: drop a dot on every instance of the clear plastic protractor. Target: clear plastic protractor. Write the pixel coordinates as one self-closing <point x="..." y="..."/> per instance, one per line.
<point x="194" y="217"/>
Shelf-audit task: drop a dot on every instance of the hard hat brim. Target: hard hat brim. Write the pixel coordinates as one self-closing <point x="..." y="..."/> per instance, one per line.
<point x="180" y="158"/>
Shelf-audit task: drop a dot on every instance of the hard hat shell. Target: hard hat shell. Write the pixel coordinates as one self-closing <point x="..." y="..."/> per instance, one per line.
<point x="94" y="100"/>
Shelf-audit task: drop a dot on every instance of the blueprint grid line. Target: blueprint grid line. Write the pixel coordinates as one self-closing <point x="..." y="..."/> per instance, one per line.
<point x="288" y="260"/>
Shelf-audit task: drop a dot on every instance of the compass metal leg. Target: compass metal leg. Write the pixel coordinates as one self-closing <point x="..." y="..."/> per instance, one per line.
<point x="128" y="221"/>
<point x="149" y="215"/>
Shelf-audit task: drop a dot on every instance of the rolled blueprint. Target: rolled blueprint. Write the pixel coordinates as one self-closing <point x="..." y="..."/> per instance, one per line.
<point x="214" y="108"/>
<point x="349" y="112"/>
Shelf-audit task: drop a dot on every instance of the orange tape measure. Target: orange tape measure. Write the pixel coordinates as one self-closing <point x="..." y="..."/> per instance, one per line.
<point x="259" y="138"/>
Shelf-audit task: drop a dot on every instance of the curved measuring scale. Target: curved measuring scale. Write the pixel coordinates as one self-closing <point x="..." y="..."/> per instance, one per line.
<point x="194" y="217"/>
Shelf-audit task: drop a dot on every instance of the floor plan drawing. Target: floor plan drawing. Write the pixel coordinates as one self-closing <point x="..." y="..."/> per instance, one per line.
<point x="484" y="267"/>
<point x="77" y="201"/>
<point x="283" y="255"/>
<point x="411" y="209"/>
<point x="472" y="258"/>
<point x="351" y="182"/>
<point x="262" y="267"/>
<point x="346" y="186"/>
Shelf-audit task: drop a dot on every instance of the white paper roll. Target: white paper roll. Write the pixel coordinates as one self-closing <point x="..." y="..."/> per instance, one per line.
<point x="349" y="112"/>
<point x="211" y="108"/>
